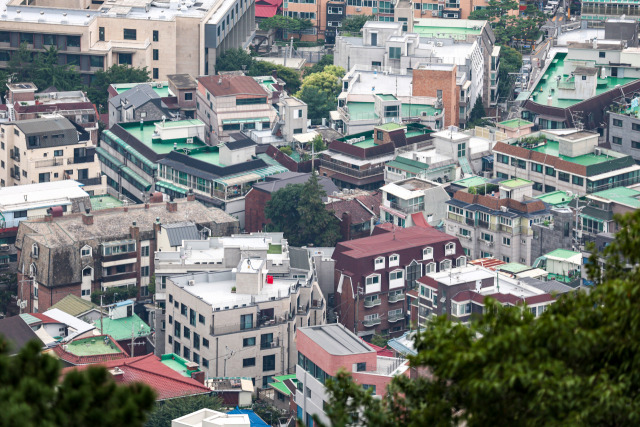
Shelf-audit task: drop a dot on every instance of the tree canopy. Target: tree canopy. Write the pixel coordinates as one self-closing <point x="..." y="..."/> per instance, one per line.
<point x="354" y="23"/>
<point x="510" y="62"/>
<point x="320" y="91"/>
<point x="285" y="23"/>
<point x="576" y="364"/>
<point x="97" y="92"/>
<point x="32" y="393"/>
<point x="299" y="212"/>
<point x="510" y="27"/>
<point x="165" y="412"/>
<point x="318" y="67"/>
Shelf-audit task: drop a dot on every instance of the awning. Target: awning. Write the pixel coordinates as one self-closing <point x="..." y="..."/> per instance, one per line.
<point x="488" y="159"/>
<point x="103" y="154"/>
<point x="613" y="173"/>
<point x="592" y="218"/>
<point x="170" y="186"/>
<point x="140" y="180"/>
<point x="250" y="120"/>
<point x="334" y="115"/>
<point x="129" y="149"/>
<point x="254" y="175"/>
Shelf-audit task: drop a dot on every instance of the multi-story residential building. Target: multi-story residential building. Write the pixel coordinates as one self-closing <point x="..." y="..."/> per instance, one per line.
<point x="402" y="168"/>
<point x="231" y="103"/>
<point x="137" y="33"/>
<point x="240" y="322"/>
<point x="455" y="9"/>
<point x="576" y="87"/>
<point x="23" y="202"/>
<point x="567" y="160"/>
<point x="87" y="252"/>
<point x="322" y="351"/>
<point x="447" y="66"/>
<point x="413" y="201"/>
<point x="369" y="99"/>
<point x="623" y="132"/>
<point x="498" y="227"/>
<point x="292" y="117"/>
<point x="23" y="103"/>
<point x="611" y="11"/>
<point x="374" y="273"/>
<point x="174" y="157"/>
<point x="557" y="232"/>
<point x="260" y="194"/>
<point x="356" y="213"/>
<point x="358" y="161"/>
<point x="141" y="102"/>
<point x="562" y="265"/>
<point x="48" y="149"/>
<point x="460" y="294"/>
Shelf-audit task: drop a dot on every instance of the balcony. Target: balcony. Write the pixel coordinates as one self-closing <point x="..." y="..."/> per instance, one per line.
<point x="470" y="221"/>
<point x="483" y="224"/>
<point x="15" y="156"/>
<point x="396" y="318"/>
<point x="90" y="181"/>
<point x="76" y="160"/>
<point x="455" y="217"/>
<point x="372" y="302"/>
<point x="407" y="209"/>
<point x="120" y="276"/>
<point x="396" y="298"/>
<point x="356" y="173"/>
<point x="270" y="344"/>
<point x="371" y="322"/>
<point x="49" y="163"/>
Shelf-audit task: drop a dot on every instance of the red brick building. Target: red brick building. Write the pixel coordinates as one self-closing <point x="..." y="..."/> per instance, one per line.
<point x="439" y="80"/>
<point x="374" y="273"/>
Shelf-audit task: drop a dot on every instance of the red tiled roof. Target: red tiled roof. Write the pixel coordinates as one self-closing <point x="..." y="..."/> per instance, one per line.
<point x="45" y="319"/>
<point x="150" y="370"/>
<point x="90" y="360"/>
<point x="371" y="201"/>
<point x="538" y="299"/>
<point x="412" y="293"/>
<point x="359" y="214"/>
<point x="282" y="158"/>
<point x="48" y="108"/>
<point x="490" y="263"/>
<point x="428" y="281"/>
<point x="231" y="85"/>
<point x="388" y="242"/>
<point x="266" y="10"/>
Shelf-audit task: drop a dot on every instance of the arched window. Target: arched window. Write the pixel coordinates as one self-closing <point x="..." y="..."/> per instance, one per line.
<point x="461" y="261"/>
<point x="33" y="270"/>
<point x="85" y="251"/>
<point x="87" y="271"/>
<point x="35" y="250"/>
<point x="427" y="253"/>
<point x="445" y="265"/>
<point x="430" y="268"/>
<point x="450" y="249"/>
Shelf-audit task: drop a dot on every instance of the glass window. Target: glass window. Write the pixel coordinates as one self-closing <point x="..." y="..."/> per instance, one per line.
<point x="156" y="35"/>
<point x="73" y="41"/>
<point x="246" y="321"/>
<point x="269" y="363"/>
<point x="616" y="140"/>
<point x="125" y="58"/>
<point x="129" y="34"/>
<point x="617" y="122"/>
<point x="249" y="342"/>
<point x="248" y="362"/>
<point x="205" y="342"/>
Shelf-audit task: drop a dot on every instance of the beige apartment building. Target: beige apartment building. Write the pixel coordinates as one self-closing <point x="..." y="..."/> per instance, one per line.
<point x="167" y="36"/>
<point x="240" y="322"/>
<point x="48" y="149"/>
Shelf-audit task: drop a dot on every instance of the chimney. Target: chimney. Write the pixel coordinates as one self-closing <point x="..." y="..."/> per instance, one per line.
<point x="48" y="218"/>
<point x="190" y="196"/>
<point x="87" y="219"/>
<point x="172" y="206"/>
<point x="198" y="376"/>
<point x="117" y="373"/>
<point x="134" y="231"/>
<point x="146" y="205"/>
<point x="274" y="74"/>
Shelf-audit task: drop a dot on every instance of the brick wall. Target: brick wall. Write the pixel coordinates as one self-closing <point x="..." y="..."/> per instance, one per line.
<point x="428" y="82"/>
<point x="254" y="204"/>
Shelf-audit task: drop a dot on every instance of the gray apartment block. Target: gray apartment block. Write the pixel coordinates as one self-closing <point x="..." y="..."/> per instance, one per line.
<point x="624" y="134"/>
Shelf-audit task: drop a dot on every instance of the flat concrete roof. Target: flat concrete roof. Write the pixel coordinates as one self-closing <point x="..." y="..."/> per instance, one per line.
<point x="336" y="339"/>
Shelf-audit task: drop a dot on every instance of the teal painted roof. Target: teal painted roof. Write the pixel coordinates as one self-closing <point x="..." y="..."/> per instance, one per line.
<point x="514" y="267"/>
<point x="120" y="329"/>
<point x="408" y="165"/>
<point x="562" y="253"/>
<point x="471" y="181"/>
<point x="556" y="198"/>
<point x="622" y="195"/>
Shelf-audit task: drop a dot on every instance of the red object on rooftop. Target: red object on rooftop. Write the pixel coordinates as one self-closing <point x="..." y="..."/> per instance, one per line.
<point x="269" y="279"/>
<point x="57" y="211"/>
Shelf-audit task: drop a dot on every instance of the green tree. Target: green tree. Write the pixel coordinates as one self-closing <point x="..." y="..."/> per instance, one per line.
<point x="510" y="62"/>
<point x="576" y="364"/>
<point x="284" y="23"/>
<point x="327" y="81"/>
<point x="318" y="143"/>
<point x="299" y="212"/>
<point x="509" y="27"/>
<point x="319" y="66"/>
<point x="234" y="60"/>
<point x="477" y="114"/>
<point x="379" y="340"/>
<point x="32" y="393"/>
<point x="286" y="150"/>
<point x="317" y="225"/>
<point x="354" y="24"/>
<point x="97" y="92"/>
<point x="319" y="103"/>
<point x="168" y="410"/>
<point x="290" y="76"/>
<point x="269" y="413"/>
<point x="113" y="295"/>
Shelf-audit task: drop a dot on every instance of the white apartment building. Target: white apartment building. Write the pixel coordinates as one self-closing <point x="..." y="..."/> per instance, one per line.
<point x="167" y="36"/>
<point x="413" y="201"/>
<point x="240" y="322"/>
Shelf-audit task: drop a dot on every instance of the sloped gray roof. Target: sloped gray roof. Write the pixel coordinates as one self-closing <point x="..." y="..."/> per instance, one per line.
<point x="299" y="258"/>
<point x="136" y="96"/>
<point x="281" y="180"/>
<point x="36" y="126"/>
<point x="550" y="287"/>
<point x="17" y="333"/>
<point x="180" y="231"/>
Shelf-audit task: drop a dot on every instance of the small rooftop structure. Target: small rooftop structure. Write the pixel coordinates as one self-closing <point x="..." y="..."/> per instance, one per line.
<point x="336" y="340"/>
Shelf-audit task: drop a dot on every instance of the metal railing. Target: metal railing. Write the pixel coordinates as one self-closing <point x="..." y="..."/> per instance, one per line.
<point x="371" y="322"/>
<point x="407" y="209"/>
<point x="395" y="318"/>
<point x="396" y="298"/>
<point x="49" y="162"/>
<point x="76" y="160"/>
<point x="356" y="173"/>
<point x="90" y="181"/>
<point x="368" y="303"/>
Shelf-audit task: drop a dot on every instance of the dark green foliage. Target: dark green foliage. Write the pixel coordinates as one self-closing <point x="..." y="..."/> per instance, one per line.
<point x="113" y="295"/>
<point x="484" y="189"/>
<point x="290" y="76"/>
<point x="9" y="283"/>
<point x="234" y="60"/>
<point x="575" y="365"/>
<point x="354" y="23"/>
<point x="168" y="410"/>
<point x="97" y="92"/>
<point x="510" y="62"/>
<point x="319" y="103"/>
<point x="299" y="212"/>
<point x="286" y="150"/>
<point x="318" y="144"/>
<point x="379" y="340"/>
<point x="269" y="413"/>
<point x="477" y="114"/>
<point x="508" y="28"/>
<point x="319" y="66"/>
<point x="32" y="394"/>
<point x="284" y="23"/>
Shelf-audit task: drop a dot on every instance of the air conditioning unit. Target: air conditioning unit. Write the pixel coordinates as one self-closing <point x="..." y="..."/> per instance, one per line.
<point x="358" y="9"/>
<point x="434" y="13"/>
<point x="190" y="140"/>
<point x="439" y="44"/>
<point x="490" y="244"/>
<point x="159" y="85"/>
<point x="504" y="209"/>
<point x="191" y="283"/>
<point x="598" y="151"/>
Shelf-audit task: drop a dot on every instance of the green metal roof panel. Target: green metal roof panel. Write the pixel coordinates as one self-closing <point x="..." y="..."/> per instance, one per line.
<point x="104" y="154"/>
<point x="562" y="253"/>
<point x="129" y="149"/>
<point x="29" y="319"/>
<point x="515" y="182"/>
<point x="171" y="186"/>
<point x="281" y="387"/>
<point x="74" y="305"/>
<point x="514" y="267"/>
<point x="472" y="181"/>
<point x="140" y="180"/>
<point x="465" y="166"/>
<point x="556" y="198"/>
<point x="120" y="329"/>
<point x="622" y="195"/>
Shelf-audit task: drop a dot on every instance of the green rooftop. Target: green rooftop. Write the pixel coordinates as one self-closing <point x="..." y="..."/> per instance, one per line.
<point x="434" y="31"/>
<point x="513" y="267"/>
<point x="552" y="148"/>
<point x="622" y="195"/>
<point x="274" y="249"/>
<point x="366" y="143"/>
<point x="74" y="305"/>
<point x="104" y="202"/>
<point x="562" y="253"/>
<point x="178" y="364"/>
<point x="556" y="198"/>
<point x="387" y="97"/>
<point x="472" y="181"/>
<point x="515" y="123"/>
<point x="408" y="165"/>
<point x="557" y="69"/>
<point x="390" y="126"/>
<point x="163" y="91"/>
<point x="93" y="346"/>
<point x="515" y="182"/>
<point x="366" y="110"/>
<point x="278" y="383"/>
<point x="120" y="329"/>
<point x="197" y="150"/>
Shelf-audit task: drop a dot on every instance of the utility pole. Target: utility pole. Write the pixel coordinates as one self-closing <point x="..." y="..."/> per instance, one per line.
<point x="355" y="321"/>
<point x="101" y="316"/>
<point x="227" y="356"/>
<point x="133" y="337"/>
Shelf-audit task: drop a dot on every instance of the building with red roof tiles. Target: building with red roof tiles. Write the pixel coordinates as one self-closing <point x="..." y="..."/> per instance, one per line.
<point x="149" y="370"/>
<point x="357" y="215"/>
<point x="461" y="294"/>
<point x="373" y="274"/>
<point x="267" y="8"/>
<point x="89" y="351"/>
